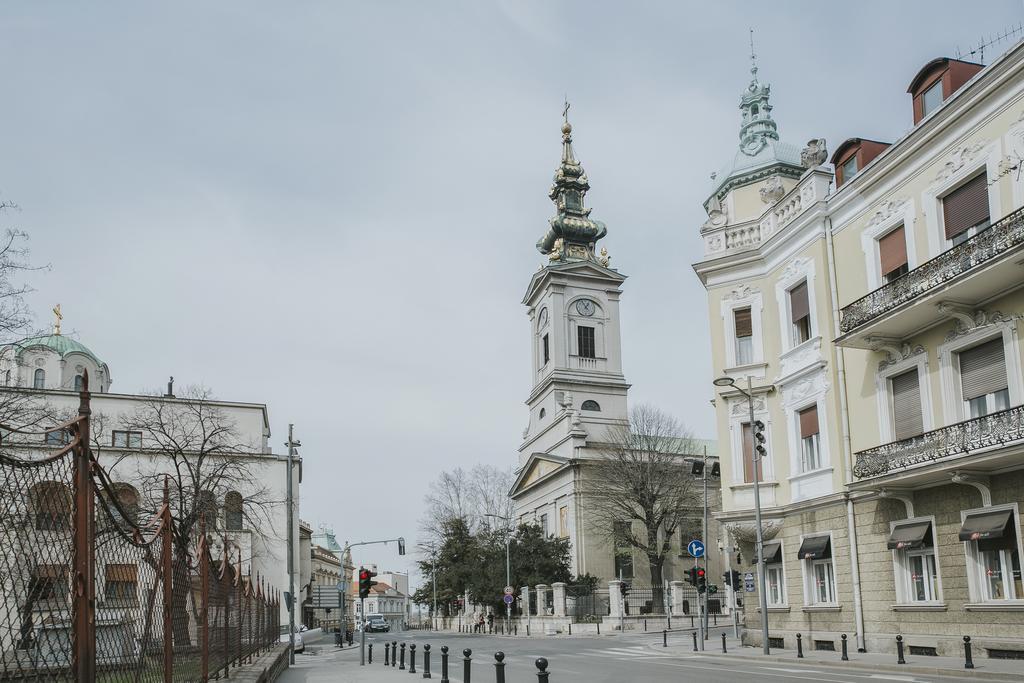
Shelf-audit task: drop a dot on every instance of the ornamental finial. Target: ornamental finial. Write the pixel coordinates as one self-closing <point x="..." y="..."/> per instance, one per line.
<point x="753" y="57"/>
<point x="57" y="317"/>
<point x="566" y="126"/>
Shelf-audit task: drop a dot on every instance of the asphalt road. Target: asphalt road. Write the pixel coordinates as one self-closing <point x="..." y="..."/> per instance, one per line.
<point x="619" y="658"/>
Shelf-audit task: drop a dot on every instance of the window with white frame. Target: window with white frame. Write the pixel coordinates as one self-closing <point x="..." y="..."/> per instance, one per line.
<point x="993" y="550"/>
<point x="810" y="439"/>
<point x="800" y="314"/>
<point x="774" y="574"/>
<point x="913" y="546"/>
<point x="907" y="414"/>
<point x="931" y="98"/>
<point x="965" y="210"/>
<point x="819" y="573"/>
<point x="892" y="254"/>
<point x="744" y="327"/>
<point x="983" y="379"/>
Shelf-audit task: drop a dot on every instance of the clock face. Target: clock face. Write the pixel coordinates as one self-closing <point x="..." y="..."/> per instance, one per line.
<point x="542" y="319"/>
<point x="585" y="307"/>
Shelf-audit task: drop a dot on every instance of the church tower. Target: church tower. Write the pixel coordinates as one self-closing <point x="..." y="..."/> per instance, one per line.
<point x="573" y="307"/>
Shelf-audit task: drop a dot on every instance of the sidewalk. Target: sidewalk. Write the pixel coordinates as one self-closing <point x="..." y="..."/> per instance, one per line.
<point x="984" y="668"/>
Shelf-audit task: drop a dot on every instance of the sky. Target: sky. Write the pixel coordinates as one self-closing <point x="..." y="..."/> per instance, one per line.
<point x="331" y="207"/>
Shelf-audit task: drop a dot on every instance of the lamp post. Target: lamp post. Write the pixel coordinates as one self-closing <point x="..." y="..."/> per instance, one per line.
<point x="292" y="445"/>
<point x="726" y="381"/>
<point x="508" y="566"/>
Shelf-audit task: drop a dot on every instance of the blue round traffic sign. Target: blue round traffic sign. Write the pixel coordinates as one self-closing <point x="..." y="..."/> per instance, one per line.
<point x="695" y="548"/>
<point x="509" y="599"/>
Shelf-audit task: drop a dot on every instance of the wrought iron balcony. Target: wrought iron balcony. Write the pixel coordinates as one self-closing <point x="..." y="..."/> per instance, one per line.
<point x="985" y="247"/>
<point x="991" y="431"/>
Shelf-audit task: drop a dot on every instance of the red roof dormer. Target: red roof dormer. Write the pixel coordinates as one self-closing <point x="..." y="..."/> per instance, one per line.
<point x="854" y="154"/>
<point x="936" y="81"/>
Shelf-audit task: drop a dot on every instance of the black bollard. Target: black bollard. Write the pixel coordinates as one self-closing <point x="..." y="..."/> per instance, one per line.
<point x="664" y="638"/>
<point x="444" y="664"/>
<point x="715" y="616"/>
<point x="467" y="655"/>
<point x="723" y="643"/>
<point x="401" y="664"/>
<point x="599" y="628"/>
<point x="645" y="626"/>
<point x="694" y="641"/>
<point x="542" y="670"/>
<point x="570" y="628"/>
<point x="527" y="629"/>
<point x="845" y="657"/>
<point x="968" y="660"/>
<point x="515" y="629"/>
<point x="394" y="653"/>
<point x="799" y="647"/>
<point x="499" y="667"/>
<point x="426" y="660"/>
<point x="691" y="621"/>
<point x="387" y="654"/>
<point x="899" y="650"/>
<point x="412" y="658"/>
<point x="369" y="654"/>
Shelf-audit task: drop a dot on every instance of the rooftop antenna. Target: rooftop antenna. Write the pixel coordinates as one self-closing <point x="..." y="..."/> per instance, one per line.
<point x="978" y="51"/>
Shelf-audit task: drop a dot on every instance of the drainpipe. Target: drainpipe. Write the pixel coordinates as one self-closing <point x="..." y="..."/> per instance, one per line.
<point x="844" y="419"/>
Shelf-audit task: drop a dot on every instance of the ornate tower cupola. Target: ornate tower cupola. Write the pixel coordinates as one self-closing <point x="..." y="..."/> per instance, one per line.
<point x="757" y="125"/>
<point x="573" y="234"/>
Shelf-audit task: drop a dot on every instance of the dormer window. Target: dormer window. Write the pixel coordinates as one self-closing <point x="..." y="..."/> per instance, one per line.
<point x="936" y="82"/>
<point x="853" y="155"/>
<point x="931" y="99"/>
<point x="849" y="168"/>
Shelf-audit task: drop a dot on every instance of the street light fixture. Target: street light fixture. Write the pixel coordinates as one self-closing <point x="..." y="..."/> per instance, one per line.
<point x="508" y="566"/>
<point x="726" y="381"/>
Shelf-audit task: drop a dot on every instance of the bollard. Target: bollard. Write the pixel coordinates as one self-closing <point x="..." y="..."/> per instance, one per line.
<point x="412" y="658"/>
<point x="466" y="659"/>
<point x="444" y="664"/>
<point x="723" y="643"/>
<point x="691" y="621"/>
<point x="645" y="626"/>
<point x="968" y="660"/>
<point x="899" y="650"/>
<point x="570" y="628"/>
<point x="387" y="653"/>
<point x="369" y="654"/>
<point x="527" y="629"/>
<point x="401" y="664"/>
<point x="845" y="657"/>
<point x="394" y="653"/>
<point x="664" y="638"/>
<point x="515" y="629"/>
<point x="426" y="660"/>
<point x="799" y="647"/>
<point x="499" y="667"/>
<point x="715" y="615"/>
<point x="542" y="670"/>
<point x="694" y="641"/>
<point x="599" y="628"/>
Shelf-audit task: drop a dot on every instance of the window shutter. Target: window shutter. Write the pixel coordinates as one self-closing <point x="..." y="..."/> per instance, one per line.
<point x="892" y="250"/>
<point x="808" y="422"/>
<point x="744" y="326"/>
<point x="983" y="369"/>
<point x="906" y="405"/>
<point x="122" y="572"/>
<point x="748" y="454"/>
<point x="798" y="303"/>
<point x="966" y="206"/>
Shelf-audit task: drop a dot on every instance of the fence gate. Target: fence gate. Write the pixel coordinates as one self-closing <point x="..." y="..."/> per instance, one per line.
<point x="586" y="605"/>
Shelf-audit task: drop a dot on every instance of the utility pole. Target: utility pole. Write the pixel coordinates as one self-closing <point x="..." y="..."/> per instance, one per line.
<point x="292" y="444"/>
<point x="707" y="546"/>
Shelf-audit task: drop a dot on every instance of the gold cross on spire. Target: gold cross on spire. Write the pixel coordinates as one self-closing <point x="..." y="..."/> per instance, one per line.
<point x="57" y="317"/>
<point x="565" y="110"/>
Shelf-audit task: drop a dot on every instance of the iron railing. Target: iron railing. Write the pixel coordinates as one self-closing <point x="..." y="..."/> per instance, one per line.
<point x="987" y="245"/>
<point x="997" y="429"/>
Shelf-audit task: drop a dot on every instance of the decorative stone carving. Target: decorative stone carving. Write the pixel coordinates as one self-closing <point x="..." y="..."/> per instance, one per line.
<point x="959" y="158"/>
<point x="772" y="191"/>
<point x="886" y="210"/>
<point x="967" y="322"/>
<point x="744" y="292"/>
<point x="716" y="214"/>
<point x="814" y="154"/>
<point x="746" y="531"/>
<point x="605" y="259"/>
<point x="898" y="355"/>
<point x="797" y="268"/>
<point x="715" y="243"/>
<point x="740" y="407"/>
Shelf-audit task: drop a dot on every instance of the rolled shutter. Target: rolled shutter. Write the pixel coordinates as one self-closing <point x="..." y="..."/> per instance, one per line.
<point x="892" y="251"/>
<point x="983" y="369"/>
<point x="798" y="303"/>
<point x="744" y="326"/>
<point x="808" y="422"/>
<point x="906" y="405"/>
<point x="966" y="206"/>
<point x="122" y="572"/>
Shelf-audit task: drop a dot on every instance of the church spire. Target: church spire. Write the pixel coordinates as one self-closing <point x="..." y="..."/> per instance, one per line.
<point x="572" y="234"/>
<point x="757" y="126"/>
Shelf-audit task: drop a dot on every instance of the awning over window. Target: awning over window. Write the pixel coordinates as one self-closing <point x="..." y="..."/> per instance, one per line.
<point x="815" y="548"/>
<point x="772" y="552"/>
<point x="910" y="535"/>
<point x="981" y="525"/>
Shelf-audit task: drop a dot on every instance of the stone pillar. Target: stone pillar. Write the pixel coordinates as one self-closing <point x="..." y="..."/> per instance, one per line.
<point x="615" y="600"/>
<point x="467" y="604"/>
<point x="676" y="591"/>
<point x="558" y="592"/>
<point x="542" y="598"/>
<point x="524" y="596"/>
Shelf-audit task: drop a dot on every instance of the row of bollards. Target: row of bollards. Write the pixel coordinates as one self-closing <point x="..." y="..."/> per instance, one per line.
<point x="394" y="654"/>
<point x="900" y="658"/>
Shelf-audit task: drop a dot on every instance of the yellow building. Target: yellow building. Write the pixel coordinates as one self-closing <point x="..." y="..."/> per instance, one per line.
<point x="878" y="315"/>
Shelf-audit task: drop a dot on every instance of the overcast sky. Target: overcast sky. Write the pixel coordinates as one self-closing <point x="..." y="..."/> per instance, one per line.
<point x="331" y="208"/>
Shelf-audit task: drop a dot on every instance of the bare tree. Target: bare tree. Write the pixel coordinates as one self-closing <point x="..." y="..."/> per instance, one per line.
<point x="470" y="496"/>
<point x="15" y="316"/>
<point x="641" y="488"/>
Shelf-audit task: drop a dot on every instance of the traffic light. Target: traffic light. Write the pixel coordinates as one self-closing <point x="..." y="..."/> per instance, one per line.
<point x="731" y="578"/>
<point x="623" y="588"/>
<point x="759" y="439"/>
<point x="702" y="580"/>
<point x="691" y="576"/>
<point x="366" y="582"/>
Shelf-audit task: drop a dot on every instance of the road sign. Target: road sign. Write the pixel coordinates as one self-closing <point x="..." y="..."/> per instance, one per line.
<point x="509" y="599"/>
<point x="325" y="597"/>
<point x="340" y="587"/>
<point x="695" y="548"/>
<point x="748" y="582"/>
<point x="509" y="590"/>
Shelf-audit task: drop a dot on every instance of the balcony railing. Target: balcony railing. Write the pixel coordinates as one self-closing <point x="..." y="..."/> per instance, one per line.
<point x="981" y="248"/>
<point x="997" y="429"/>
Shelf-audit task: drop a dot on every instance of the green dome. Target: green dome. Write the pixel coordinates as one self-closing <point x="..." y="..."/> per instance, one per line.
<point x="61" y="344"/>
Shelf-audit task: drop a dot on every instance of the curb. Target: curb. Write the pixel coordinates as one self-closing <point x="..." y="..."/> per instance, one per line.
<point x="862" y="664"/>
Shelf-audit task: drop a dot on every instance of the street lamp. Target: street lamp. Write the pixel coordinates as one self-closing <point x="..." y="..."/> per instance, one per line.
<point x="508" y="566"/>
<point x="726" y="381"/>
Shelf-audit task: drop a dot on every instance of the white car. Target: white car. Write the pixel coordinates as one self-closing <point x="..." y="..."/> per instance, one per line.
<point x="300" y="646"/>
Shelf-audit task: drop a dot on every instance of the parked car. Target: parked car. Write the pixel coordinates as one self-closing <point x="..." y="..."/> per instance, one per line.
<point x="376" y="623"/>
<point x="300" y="646"/>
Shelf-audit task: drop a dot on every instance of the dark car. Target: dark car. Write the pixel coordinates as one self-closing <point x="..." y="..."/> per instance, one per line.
<point x="376" y="623"/>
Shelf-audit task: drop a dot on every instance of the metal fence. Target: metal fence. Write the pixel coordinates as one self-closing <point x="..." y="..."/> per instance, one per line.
<point x="91" y="591"/>
<point x="586" y="605"/>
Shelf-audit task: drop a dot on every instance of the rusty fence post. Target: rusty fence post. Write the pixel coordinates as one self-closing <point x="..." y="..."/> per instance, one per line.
<point x="168" y="578"/>
<point x="83" y="606"/>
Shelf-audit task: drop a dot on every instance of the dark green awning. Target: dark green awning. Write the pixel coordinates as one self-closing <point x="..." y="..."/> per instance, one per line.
<point x="981" y="525"/>
<point x="815" y="548"/>
<point x="910" y="535"/>
<point x="772" y="552"/>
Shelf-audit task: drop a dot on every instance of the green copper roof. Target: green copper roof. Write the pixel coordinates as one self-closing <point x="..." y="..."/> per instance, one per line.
<point x="60" y="343"/>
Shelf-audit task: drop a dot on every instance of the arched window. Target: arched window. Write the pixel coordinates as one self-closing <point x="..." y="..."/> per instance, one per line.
<point x="591" y="405"/>
<point x="233" y="511"/>
<point x="39" y="379"/>
<point x="206" y="509"/>
<point x="543" y="413"/>
<point x="49" y="504"/>
<point x="79" y="382"/>
<point x="753" y="110"/>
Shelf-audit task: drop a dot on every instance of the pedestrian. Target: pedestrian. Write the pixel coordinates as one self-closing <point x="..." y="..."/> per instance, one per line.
<point x="490" y="622"/>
